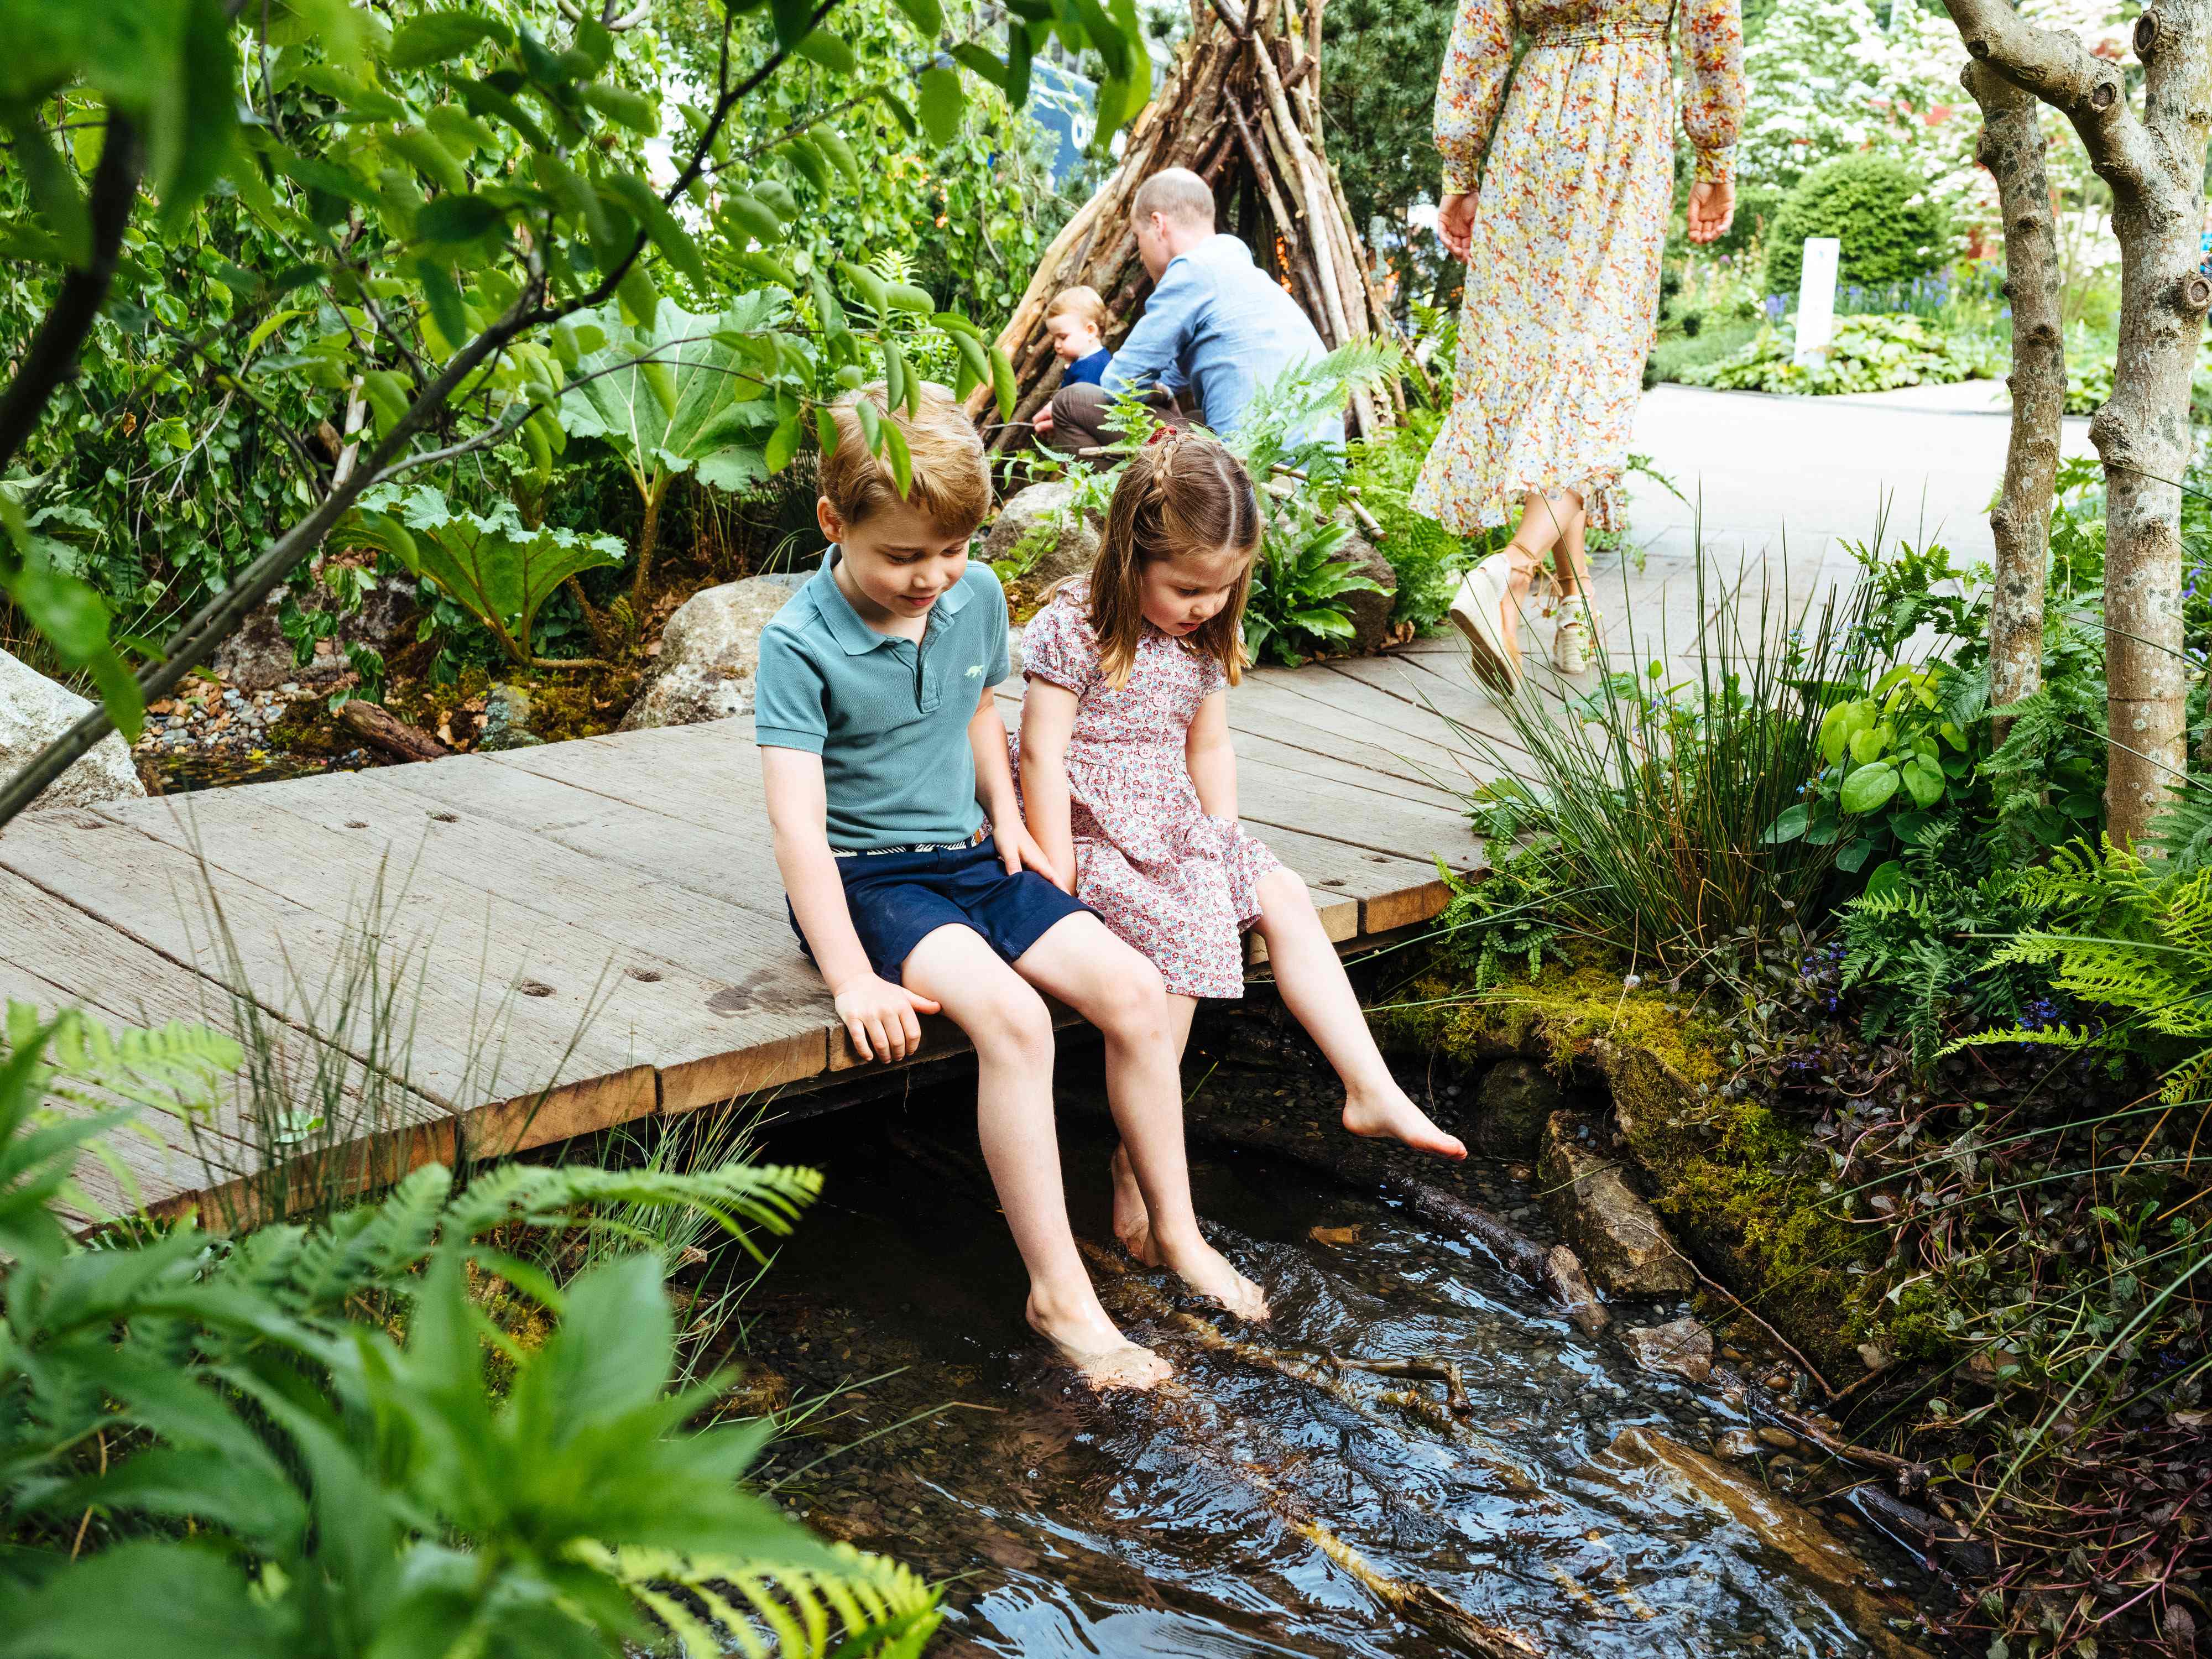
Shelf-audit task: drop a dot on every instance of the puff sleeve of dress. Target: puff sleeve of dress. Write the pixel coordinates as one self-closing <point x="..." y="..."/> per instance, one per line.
<point x="1471" y="88"/>
<point x="1712" y="95"/>
<point x="1057" y="646"/>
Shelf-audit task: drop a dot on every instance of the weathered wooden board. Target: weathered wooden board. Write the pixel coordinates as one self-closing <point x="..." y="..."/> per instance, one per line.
<point x="631" y="878"/>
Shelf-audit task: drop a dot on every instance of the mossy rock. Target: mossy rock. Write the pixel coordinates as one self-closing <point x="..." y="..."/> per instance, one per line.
<point x="1740" y="1188"/>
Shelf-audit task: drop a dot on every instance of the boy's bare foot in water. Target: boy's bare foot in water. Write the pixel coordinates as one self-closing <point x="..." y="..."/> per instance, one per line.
<point x="1091" y="1342"/>
<point x="1385" y="1114"/>
<point x="1133" y="1225"/>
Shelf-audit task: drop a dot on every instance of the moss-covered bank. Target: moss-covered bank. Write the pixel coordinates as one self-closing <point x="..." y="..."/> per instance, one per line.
<point x="1748" y="1194"/>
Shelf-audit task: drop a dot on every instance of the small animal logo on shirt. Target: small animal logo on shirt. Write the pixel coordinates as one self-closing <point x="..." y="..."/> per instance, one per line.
<point x="976" y="673"/>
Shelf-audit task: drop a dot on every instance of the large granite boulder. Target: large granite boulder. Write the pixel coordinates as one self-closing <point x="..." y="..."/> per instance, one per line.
<point x="1043" y="520"/>
<point x="257" y="657"/>
<point x="34" y="712"/>
<point x="709" y="651"/>
<point x="1609" y="1224"/>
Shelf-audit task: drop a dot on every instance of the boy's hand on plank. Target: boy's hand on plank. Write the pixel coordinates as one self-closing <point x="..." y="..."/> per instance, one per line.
<point x="1019" y="850"/>
<point x="879" y="1017"/>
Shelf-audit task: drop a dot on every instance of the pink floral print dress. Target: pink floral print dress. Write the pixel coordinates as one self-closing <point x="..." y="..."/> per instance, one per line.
<point x="1178" y="884"/>
<point x="1563" y="271"/>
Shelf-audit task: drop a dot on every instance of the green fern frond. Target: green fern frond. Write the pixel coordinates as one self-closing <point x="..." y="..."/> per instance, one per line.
<point x="2186" y="1082"/>
<point x="373" y="1246"/>
<point x="176" y="1067"/>
<point x="868" y="1605"/>
<point x="737" y="1196"/>
<point x="2054" y="1036"/>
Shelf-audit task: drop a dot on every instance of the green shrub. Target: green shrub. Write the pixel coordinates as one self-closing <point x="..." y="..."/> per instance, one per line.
<point x="1891" y="229"/>
<point x="1879" y="352"/>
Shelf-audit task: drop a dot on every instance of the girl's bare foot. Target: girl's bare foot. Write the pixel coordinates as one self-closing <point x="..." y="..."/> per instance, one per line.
<point x="1392" y="1115"/>
<point x="1207" y="1271"/>
<point x="1089" y="1341"/>
<point x="1133" y="1225"/>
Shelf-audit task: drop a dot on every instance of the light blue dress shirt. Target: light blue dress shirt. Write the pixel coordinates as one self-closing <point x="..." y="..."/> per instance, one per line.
<point x="1218" y="324"/>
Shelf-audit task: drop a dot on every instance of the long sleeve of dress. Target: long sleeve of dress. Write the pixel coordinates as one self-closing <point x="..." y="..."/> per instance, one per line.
<point x="1471" y="88"/>
<point x="1713" y="101"/>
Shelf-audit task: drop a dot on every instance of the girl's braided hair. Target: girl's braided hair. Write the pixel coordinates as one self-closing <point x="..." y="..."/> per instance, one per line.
<point x="1182" y="493"/>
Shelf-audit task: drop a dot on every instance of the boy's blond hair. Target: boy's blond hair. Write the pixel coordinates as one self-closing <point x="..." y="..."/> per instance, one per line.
<point x="951" y="480"/>
<point x="1082" y="303"/>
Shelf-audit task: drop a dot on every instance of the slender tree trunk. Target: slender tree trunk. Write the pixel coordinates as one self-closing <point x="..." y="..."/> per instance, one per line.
<point x="2154" y="163"/>
<point x="2011" y="148"/>
<point x="648" y="538"/>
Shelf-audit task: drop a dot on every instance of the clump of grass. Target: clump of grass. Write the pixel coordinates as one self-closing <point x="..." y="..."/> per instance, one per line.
<point x="1652" y="795"/>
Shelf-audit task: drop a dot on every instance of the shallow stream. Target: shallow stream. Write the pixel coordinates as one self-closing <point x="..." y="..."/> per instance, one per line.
<point x="1245" y="1511"/>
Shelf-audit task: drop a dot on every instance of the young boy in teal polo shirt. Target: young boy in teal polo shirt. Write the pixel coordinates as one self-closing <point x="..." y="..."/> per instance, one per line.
<point x="913" y="884"/>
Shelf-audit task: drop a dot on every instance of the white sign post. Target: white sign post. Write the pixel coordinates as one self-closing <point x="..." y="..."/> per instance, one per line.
<point x="1816" y="301"/>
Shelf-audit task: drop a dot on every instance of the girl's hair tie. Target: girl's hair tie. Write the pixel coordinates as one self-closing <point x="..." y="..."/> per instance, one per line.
<point x="1162" y="434"/>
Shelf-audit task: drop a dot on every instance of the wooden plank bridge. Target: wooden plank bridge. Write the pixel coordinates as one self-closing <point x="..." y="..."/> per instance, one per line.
<point x="593" y="932"/>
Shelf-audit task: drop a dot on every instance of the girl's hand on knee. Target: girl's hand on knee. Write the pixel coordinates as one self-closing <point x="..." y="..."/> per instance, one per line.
<point x="879" y="1017"/>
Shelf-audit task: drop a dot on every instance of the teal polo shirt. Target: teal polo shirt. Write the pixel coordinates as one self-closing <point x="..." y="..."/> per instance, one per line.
<point x="889" y="718"/>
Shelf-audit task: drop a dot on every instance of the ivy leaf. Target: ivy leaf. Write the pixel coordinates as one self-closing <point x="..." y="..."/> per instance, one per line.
<point x="438" y="36"/>
<point x="943" y="99"/>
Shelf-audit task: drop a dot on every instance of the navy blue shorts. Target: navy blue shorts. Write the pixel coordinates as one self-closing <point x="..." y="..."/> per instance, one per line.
<point x="898" y="899"/>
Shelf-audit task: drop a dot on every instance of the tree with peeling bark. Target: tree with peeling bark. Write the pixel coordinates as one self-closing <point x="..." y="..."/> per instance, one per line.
<point x="2152" y="159"/>
<point x="2011" y="148"/>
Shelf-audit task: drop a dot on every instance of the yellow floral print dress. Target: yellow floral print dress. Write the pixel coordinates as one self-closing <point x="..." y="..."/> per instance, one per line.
<point x="1563" y="272"/>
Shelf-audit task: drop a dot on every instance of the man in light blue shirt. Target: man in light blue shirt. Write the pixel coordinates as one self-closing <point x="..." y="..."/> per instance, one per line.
<point x="1215" y="330"/>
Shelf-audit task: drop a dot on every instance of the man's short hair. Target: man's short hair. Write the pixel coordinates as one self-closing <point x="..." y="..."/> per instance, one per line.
<point x="1174" y="193"/>
<point x="1082" y="304"/>
<point x="951" y="480"/>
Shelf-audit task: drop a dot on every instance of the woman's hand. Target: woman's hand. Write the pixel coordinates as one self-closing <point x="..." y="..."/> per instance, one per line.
<point x="1712" y="209"/>
<point x="1456" y="222"/>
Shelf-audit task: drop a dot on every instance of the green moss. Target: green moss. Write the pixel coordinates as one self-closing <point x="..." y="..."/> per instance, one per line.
<point x="1742" y="1188"/>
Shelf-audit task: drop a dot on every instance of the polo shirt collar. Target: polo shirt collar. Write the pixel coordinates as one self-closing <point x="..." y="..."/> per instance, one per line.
<point x="857" y="638"/>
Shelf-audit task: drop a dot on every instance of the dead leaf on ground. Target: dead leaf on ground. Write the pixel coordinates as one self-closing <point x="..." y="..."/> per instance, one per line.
<point x="1337" y="1237"/>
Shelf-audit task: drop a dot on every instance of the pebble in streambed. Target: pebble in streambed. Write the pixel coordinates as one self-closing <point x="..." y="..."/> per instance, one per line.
<point x="1066" y="1524"/>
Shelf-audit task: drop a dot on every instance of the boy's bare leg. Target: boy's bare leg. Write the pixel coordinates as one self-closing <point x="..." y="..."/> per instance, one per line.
<point x="1012" y="1033"/>
<point x="1131" y="1225"/>
<point x="1114" y="987"/>
<point x="1319" y="994"/>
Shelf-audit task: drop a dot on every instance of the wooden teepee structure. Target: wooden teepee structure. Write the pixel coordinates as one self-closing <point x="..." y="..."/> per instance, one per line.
<point x="1243" y="111"/>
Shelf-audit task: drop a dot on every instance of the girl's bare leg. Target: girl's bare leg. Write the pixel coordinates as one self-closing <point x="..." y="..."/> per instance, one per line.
<point x="1118" y="991"/>
<point x="1319" y="994"/>
<point x="1012" y="1033"/>
<point x="1133" y="1225"/>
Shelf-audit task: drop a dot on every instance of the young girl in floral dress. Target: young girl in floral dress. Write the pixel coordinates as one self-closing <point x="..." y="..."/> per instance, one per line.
<point x="1129" y="781"/>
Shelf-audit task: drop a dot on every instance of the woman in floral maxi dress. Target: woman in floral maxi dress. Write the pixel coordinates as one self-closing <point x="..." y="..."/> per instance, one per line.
<point x="1561" y="247"/>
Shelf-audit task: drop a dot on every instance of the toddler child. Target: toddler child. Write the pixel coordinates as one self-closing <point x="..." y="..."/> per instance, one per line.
<point x="912" y="881"/>
<point x="1129" y="781"/>
<point x="1074" y="320"/>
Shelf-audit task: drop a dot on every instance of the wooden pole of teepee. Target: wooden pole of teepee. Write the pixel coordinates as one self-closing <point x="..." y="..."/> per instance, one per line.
<point x="1243" y="111"/>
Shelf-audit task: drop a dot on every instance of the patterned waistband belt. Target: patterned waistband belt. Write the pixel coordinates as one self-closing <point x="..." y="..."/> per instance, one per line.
<point x="917" y="846"/>
<point x="1599" y="34"/>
